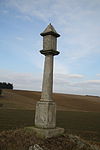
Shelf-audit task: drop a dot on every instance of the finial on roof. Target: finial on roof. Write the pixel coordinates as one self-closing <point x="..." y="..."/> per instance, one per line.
<point x="50" y="30"/>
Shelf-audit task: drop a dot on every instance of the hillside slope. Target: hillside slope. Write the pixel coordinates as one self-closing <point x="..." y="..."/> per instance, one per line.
<point x="19" y="99"/>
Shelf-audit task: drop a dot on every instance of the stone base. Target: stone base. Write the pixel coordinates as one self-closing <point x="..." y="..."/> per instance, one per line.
<point x="45" y="115"/>
<point x="45" y="133"/>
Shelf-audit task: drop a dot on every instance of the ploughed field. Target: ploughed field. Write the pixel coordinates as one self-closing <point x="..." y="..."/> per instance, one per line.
<point x="79" y="115"/>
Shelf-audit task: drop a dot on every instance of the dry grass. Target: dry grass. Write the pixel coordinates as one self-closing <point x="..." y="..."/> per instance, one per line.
<point x="84" y="124"/>
<point x="18" y="99"/>
<point x="77" y="114"/>
<point x="21" y="140"/>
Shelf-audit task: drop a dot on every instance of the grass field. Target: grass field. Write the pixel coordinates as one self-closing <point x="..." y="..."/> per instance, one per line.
<point x="17" y="99"/>
<point x="85" y="124"/>
<point x="79" y="115"/>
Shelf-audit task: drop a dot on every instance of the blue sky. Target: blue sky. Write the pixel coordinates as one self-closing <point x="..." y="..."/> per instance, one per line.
<point x="76" y="69"/>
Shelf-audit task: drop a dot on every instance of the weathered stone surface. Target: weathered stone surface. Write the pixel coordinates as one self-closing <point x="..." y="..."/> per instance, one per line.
<point x="31" y="148"/>
<point x="46" y="133"/>
<point x="45" y="116"/>
<point x="50" y="30"/>
<point x="37" y="147"/>
<point x="49" y="52"/>
<point x="49" y="42"/>
<point x="47" y="79"/>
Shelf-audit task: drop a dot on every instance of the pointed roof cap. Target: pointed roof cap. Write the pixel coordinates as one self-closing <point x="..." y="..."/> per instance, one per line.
<point x="50" y="30"/>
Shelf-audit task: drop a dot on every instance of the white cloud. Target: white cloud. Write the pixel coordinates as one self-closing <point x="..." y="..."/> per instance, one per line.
<point x="91" y="82"/>
<point x="98" y="74"/>
<point x="24" y="17"/>
<point x="76" y="84"/>
<point x="76" y="20"/>
<point x="27" y="81"/>
<point x="86" y="87"/>
<point x="77" y="76"/>
<point x="62" y="83"/>
<point x="19" y="38"/>
<point x="69" y="76"/>
<point x="31" y="8"/>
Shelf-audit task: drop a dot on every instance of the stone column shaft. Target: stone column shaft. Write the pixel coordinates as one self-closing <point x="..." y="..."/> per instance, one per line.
<point x="47" y="85"/>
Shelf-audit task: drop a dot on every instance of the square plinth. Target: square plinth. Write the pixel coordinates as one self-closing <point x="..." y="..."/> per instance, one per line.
<point x="45" y="115"/>
<point x="45" y="133"/>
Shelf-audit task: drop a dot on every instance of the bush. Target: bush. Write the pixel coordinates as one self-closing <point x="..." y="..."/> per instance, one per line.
<point x="4" y="85"/>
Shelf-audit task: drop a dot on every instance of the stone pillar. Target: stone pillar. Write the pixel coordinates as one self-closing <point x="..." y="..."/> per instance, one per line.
<point x="45" y="114"/>
<point x="47" y="79"/>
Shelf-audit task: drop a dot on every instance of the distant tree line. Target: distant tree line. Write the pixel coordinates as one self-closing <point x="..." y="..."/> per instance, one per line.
<point x="0" y="91"/>
<point x="4" y="85"/>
